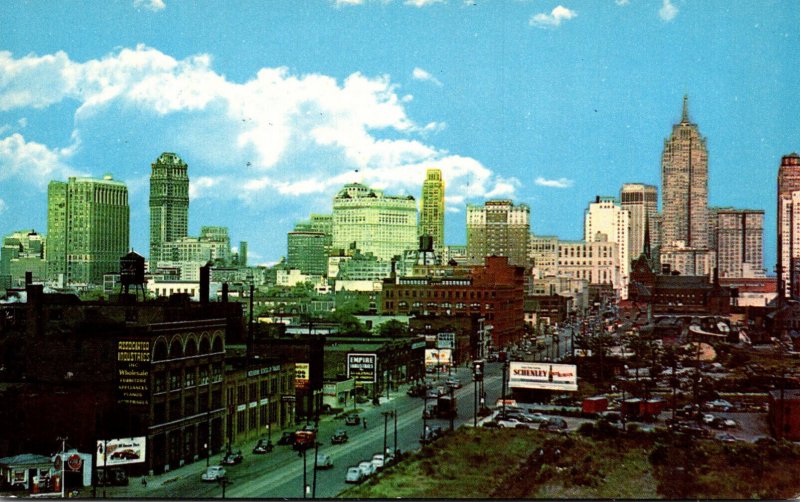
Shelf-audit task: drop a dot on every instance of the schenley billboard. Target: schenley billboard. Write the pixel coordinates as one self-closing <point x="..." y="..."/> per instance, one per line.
<point x="544" y="376"/>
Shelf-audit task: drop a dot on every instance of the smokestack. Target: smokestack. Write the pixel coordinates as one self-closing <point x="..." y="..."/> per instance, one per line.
<point x="224" y="292"/>
<point x="205" y="273"/>
<point x="28" y="279"/>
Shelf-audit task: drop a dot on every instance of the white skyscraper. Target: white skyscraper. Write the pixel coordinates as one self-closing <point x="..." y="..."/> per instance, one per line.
<point x="605" y="216"/>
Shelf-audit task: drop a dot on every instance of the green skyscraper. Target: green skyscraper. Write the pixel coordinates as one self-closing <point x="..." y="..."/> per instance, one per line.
<point x="88" y="228"/>
<point x="169" y="204"/>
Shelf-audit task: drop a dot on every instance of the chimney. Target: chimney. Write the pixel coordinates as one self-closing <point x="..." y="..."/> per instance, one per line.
<point x="205" y="273"/>
<point x="28" y="279"/>
<point x="224" y="292"/>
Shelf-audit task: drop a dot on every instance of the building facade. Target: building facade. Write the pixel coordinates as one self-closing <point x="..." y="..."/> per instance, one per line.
<point x="23" y="251"/>
<point x="788" y="223"/>
<point x="431" y="217"/>
<point x="684" y="178"/>
<point x="169" y="203"/>
<point x="606" y="216"/>
<point x="307" y="252"/>
<point x="543" y="255"/>
<point x="596" y="262"/>
<point x="740" y="243"/>
<point x="498" y="228"/>
<point x="368" y="220"/>
<point x="641" y="202"/>
<point x="88" y="228"/>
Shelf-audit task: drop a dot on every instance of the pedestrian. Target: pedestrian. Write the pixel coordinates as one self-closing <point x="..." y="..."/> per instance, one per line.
<point x="365" y="423"/>
<point x="144" y="481"/>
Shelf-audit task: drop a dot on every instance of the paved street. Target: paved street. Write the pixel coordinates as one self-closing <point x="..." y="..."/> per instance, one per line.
<point x="279" y="474"/>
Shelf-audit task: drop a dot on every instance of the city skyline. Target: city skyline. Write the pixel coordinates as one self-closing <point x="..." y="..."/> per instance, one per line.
<point x="506" y="99"/>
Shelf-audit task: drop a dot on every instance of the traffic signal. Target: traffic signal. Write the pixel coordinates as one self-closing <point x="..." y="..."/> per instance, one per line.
<point x="477" y="370"/>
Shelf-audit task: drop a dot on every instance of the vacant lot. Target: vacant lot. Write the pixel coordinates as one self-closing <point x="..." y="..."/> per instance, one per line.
<point x="490" y="463"/>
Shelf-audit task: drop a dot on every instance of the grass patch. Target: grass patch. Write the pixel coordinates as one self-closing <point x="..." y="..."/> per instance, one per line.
<point x="522" y="464"/>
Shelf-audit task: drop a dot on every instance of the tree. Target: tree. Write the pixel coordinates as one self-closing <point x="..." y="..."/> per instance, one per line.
<point x="393" y="328"/>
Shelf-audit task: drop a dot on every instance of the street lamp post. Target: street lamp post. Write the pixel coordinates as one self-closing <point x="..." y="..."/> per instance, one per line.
<point x="394" y="415"/>
<point x="305" y="469"/>
<point x="314" y="482"/>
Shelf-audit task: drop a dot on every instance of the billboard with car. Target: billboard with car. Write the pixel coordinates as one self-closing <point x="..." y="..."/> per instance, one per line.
<point x="111" y="452"/>
<point x="543" y="376"/>
<point x="437" y="357"/>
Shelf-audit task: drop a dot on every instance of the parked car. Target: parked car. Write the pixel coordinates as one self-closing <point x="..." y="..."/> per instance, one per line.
<point x="726" y="437"/>
<point x="339" y="437"/>
<point x="719" y="405"/>
<point x="709" y="419"/>
<point x="378" y="460"/>
<point x="513" y="422"/>
<point x="367" y="467"/>
<point x="324" y="461"/>
<point x="434" y="392"/>
<point x="352" y="419"/>
<point x="286" y="438"/>
<point x="553" y="424"/>
<point x="432" y="433"/>
<point x="724" y="423"/>
<point x="262" y="446"/>
<point x="354" y="475"/>
<point x="213" y="473"/>
<point x="232" y="458"/>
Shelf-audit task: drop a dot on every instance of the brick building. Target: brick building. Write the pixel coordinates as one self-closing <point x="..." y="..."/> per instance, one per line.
<point x="784" y="414"/>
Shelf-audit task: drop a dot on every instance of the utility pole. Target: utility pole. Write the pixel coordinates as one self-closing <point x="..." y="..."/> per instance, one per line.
<point x="305" y="469"/>
<point x="61" y="458"/>
<point x="394" y="414"/>
<point x="314" y="482"/>
<point x="503" y="392"/>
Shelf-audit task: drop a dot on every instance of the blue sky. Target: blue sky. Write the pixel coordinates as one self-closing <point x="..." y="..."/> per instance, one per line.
<point x="276" y="104"/>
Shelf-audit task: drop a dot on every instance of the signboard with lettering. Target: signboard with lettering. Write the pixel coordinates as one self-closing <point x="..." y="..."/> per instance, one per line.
<point x="446" y="341"/>
<point x="362" y="367"/>
<point x="133" y="372"/>
<point x="111" y="452"/>
<point x="301" y="376"/>
<point x="543" y="376"/>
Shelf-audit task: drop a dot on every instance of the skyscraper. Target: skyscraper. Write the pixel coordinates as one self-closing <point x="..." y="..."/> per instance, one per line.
<point x="606" y="216"/>
<point x="684" y="178"/>
<point x="307" y="252"/>
<point x="431" y="218"/>
<point x="169" y="203"/>
<point x="641" y="201"/>
<point x="88" y="228"/>
<point x="22" y="251"/>
<point x="372" y="222"/>
<point x="498" y="228"/>
<point x="740" y="242"/>
<point x="788" y="223"/>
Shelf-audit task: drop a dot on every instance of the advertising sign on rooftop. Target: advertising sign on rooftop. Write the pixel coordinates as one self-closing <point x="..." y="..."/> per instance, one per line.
<point x="543" y="376"/>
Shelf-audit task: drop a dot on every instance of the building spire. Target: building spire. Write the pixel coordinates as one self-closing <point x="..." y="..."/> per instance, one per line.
<point x="685" y="115"/>
<point x="646" y="246"/>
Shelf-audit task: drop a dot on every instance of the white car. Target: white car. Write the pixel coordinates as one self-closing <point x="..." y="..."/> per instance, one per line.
<point x="367" y="468"/>
<point x="380" y="460"/>
<point x="709" y="419"/>
<point x="354" y="475"/>
<point x="513" y="422"/>
<point x="213" y="473"/>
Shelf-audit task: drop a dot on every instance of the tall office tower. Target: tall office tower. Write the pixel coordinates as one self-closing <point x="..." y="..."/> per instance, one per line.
<point x="740" y="242"/>
<point x="788" y="225"/>
<point x="366" y="219"/>
<point x="169" y="203"/>
<point x="684" y="178"/>
<point x="431" y="216"/>
<point x="606" y="216"/>
<point x="319" y="223"/>
<point x="88" y="228"/>
<point x="641" y="201"/>
<point x="23" y="251"/>
<point x="242" y="253"/>
<point x="307" y="252"/>
<point x="498" y="228"/>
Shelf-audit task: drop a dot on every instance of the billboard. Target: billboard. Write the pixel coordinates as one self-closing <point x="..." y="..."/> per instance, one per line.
<point x="438" y="357"/>
<point x="543" y="376"/>
<point x="133" y="372"/>
<point x="446" y="341"/>
<point x="301" y="376"/>
<point x="362" y="367"/>
<point x="111" y="452"/>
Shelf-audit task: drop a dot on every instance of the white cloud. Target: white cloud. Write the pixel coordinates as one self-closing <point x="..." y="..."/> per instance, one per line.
<point x="559" y="183"/>
<point x="668" y="11"/>
<point x="246" y="140"/>
<point x="622" y="2"/>
<point x="424" y="76"/>
<point x="340" y="3"/>
<point x="152" y="5"/>
<point x="33" y="162"/>
<point x="422" y="3"/>
<point x="552" y="20"/>
<point x="2" y="206"/>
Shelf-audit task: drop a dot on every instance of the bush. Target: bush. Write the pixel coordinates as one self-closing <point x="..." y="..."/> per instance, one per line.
<point x="586" y="429"/>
